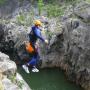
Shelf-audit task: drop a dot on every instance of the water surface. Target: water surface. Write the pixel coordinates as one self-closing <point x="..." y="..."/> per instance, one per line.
<point x="48" y="79"/>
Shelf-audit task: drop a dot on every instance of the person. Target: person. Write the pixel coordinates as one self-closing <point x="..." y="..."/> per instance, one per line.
<point x="34" y="35"/>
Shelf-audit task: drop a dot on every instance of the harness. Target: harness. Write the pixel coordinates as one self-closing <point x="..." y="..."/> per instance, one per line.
<point x="30" y="47"/>
<point x="32" y="35"/>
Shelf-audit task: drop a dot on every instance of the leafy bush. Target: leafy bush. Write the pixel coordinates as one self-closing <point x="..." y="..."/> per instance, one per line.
<point x="2" y="2"/>
<point x="25" y="19"/>
<point x="88" y="1"/>
<point x="19" y="83"/>
<point x="40" y="5"/>
<point x="54" y="10"/>
<point x="21" y="18"/>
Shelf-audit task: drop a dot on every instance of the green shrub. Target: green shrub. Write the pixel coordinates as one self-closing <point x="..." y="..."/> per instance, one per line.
<point x="20" y="84"/>
<point x="25" y="19"/>
<point x="21" y="19"/>
<point x="88" y="1"/>
<point x="2" y="2"/>
<point x="54" y="10"/>
<point x="40" y="6"/>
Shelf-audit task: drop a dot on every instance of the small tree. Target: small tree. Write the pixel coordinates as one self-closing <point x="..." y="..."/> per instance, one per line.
<point x="2" y="2"/>
<point x="40" y="5"/>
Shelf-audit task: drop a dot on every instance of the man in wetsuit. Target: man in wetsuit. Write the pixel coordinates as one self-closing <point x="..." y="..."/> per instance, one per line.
<point x="33" y="36"/>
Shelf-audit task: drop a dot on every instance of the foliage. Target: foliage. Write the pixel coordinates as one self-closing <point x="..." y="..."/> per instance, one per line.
<point x="4" y="21"/>
<point x="21" y="18"/>
<point x="25" y="19"/>
<point x="13" y="78"/>
<point x="19" y="83"/>
<point x="53" y="1"/>
<point x="88" y="1"/>
<point x="40" y="5"/>
<point x="2" y="2"/>
<point x="54" y="10"/>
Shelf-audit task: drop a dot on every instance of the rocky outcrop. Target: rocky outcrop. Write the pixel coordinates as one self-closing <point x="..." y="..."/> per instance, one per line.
<point x="6" y="66"/>
<point x="70" y="46"/>
<point x="9" y="9"/>
<point x="9" y="78"/>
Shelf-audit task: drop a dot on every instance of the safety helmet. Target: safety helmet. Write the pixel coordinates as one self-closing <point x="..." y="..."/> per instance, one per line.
<point x="37" y="23"/>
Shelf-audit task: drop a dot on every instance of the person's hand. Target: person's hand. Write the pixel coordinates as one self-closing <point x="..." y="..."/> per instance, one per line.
<point x="46" y="41"/>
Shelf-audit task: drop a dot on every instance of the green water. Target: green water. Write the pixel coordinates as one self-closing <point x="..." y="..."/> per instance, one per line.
<point x="48" y="79"/>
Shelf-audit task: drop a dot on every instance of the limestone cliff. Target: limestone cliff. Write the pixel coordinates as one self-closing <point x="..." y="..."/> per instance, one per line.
<point x="70" y="46"/>
<point x="9" y="78"/>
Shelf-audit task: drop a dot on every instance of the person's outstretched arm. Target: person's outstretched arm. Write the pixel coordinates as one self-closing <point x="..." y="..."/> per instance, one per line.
<point x="38" y="34"/>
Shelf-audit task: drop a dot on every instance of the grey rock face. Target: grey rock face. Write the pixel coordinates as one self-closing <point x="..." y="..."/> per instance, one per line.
<point x="8" y="67"/>
<point x="71" y="48"/>
<point x="9" y="8"/>
<point x="9" y="78"/>
<point x="83" y="11"/>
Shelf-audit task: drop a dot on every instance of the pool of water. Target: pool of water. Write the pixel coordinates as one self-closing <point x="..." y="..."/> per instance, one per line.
<point x="48" y="79"/>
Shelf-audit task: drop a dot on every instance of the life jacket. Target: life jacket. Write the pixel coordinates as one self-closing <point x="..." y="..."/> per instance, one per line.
<point x="32" y="40"/>
<point x="29" y="47"/>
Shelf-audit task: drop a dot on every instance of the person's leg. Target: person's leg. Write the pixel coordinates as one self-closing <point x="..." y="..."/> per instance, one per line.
<point x="32" y="62"/>
<point x="25" y="67"/>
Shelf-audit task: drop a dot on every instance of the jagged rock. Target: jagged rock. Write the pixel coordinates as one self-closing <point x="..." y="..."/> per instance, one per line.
<point x="9" y="78"/>
<point x="24" y="84"/>
<point x="71" y="49"/>
<point x="6" y="8"/>
<point x="69" y="44"/>
<point x="19" y="84"/>
<point x="8" y="67"/>
<point x="9" y="9"/>
<point x="83" y="11"/>
<point x="8" y="85"/>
